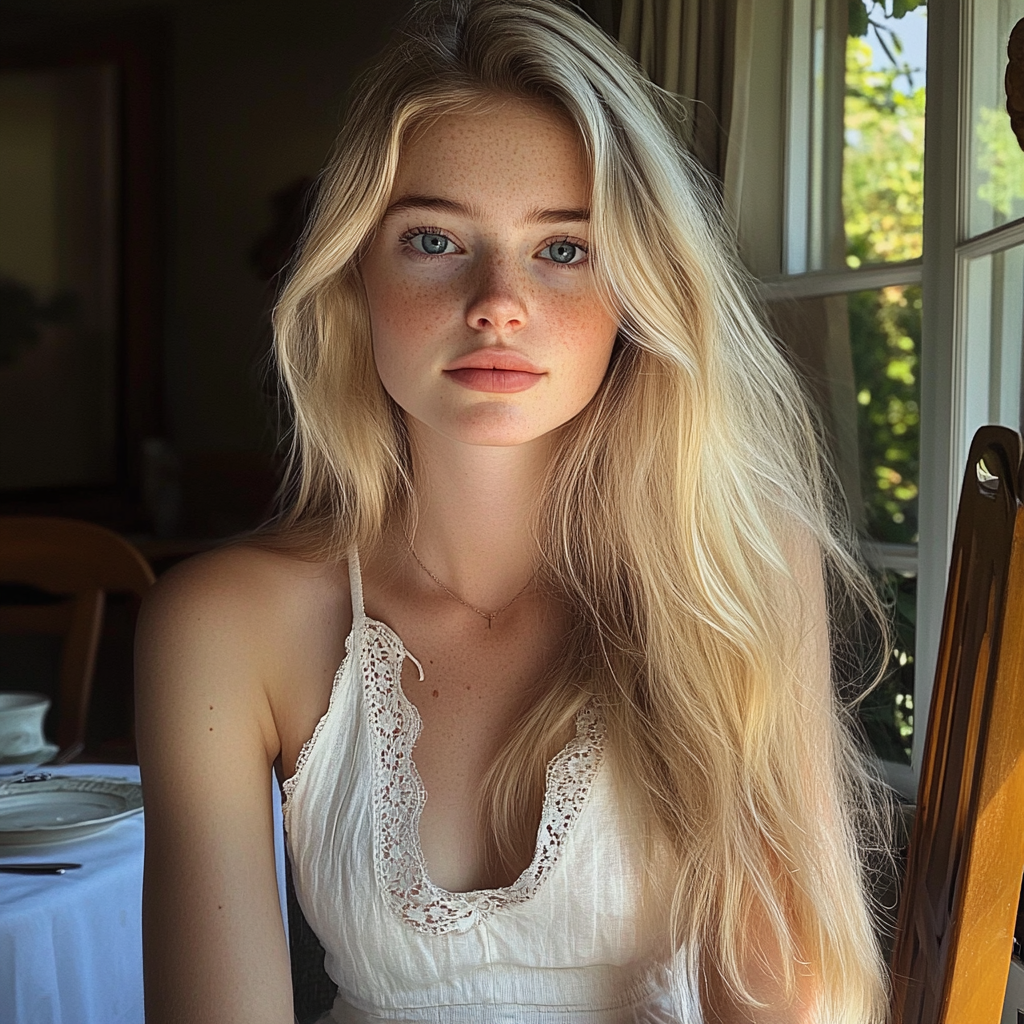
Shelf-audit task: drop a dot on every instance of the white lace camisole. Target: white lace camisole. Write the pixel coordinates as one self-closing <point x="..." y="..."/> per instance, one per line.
<point x="560" y="944"/>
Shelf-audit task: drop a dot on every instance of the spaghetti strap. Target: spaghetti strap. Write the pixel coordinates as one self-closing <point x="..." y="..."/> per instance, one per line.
<point x="356" y="582"/>
<point x="359" y="619"/>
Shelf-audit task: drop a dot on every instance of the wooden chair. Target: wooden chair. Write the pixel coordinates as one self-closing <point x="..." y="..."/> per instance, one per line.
<point x="956" y="917"/>
<point x="82" y="563"/>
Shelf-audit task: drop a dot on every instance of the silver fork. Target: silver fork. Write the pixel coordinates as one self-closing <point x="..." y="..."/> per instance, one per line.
<point x="69" y="753"/>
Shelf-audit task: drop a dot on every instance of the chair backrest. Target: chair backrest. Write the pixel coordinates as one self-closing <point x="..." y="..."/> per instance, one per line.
<point x="955" y="928"/>
<point x="80" y="561"/>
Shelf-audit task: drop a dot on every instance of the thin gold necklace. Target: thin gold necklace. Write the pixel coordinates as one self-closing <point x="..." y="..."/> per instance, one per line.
<point x="489" y="616"/>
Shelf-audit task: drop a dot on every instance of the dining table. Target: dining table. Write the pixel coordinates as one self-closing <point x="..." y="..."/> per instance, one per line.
<point x="71" y="943"/>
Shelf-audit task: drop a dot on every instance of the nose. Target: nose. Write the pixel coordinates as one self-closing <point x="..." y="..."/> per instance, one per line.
<point x="497" y="302"/>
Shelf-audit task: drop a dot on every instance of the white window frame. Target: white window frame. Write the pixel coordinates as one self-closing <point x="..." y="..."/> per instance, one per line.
<point x="948" y="349"/>
<point x="950" y="416"/>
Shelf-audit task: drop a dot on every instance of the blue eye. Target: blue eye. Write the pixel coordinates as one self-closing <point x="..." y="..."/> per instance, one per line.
<point x="431" y="243"/>
<point x="565" y="252"/>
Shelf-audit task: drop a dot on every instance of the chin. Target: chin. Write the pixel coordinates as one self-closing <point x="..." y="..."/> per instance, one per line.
<point x="494" y="428"/>
<point x="490" y="423"/>
<point x="497" y="438"/>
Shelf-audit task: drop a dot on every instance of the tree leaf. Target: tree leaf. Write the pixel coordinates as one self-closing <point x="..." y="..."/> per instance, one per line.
<point x="904" y="7"/>
<point x="858" y="18"/>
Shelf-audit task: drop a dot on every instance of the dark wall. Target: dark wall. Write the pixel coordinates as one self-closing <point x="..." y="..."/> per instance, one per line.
<point x="253" y="101"/>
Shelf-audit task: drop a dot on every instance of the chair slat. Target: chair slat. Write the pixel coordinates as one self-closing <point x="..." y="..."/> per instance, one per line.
<point x="83" y="562"/>
<point x="64" y="556"/>
<point x="966" y="857"/>
<point x="78" y="666"/>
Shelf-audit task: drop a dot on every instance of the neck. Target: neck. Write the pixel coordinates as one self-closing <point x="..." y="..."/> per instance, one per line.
<point x="476" y="512"/>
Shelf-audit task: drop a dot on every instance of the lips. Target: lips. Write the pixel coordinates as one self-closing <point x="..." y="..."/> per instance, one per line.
<point x="495" y="371"/>
<point x="493" y="359"/>
<point x="501" y="381"/>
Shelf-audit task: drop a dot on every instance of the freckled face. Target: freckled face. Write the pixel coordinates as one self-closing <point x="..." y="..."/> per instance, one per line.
<point x="486" y="323"/>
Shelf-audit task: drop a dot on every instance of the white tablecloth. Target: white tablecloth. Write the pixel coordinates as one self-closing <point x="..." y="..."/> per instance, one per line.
<point x="71" y="944"/>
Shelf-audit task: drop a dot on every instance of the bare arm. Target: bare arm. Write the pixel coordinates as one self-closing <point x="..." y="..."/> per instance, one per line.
<point x="763" y="960"/>
<point x="721" y="1008"/>
<point x="214" y="945"/>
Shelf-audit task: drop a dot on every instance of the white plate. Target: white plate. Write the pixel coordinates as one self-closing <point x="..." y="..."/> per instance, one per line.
<point x="45" y="753"/>
<point x="63" y="808"/>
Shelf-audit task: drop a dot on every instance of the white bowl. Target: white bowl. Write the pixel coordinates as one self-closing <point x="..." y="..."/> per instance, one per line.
<point x="21" y="723"/>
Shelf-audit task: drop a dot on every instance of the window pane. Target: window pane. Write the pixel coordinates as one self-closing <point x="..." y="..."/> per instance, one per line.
<point x="859" y="354"/>
<point x="994" y="325"/>
<point x="883" y="158"/>
<point x="996" y="171"/>
<point x="885" y="342"/>
<point x="855" y="134"/>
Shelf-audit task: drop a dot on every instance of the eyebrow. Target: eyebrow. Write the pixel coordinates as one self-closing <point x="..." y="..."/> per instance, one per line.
<point x="439" y="203"/>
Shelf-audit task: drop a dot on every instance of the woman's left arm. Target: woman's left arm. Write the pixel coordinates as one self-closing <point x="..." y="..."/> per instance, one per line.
<point x="762" y="967"/>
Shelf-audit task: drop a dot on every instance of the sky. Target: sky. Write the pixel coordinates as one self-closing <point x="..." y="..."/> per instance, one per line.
<point x="911" y="30"/>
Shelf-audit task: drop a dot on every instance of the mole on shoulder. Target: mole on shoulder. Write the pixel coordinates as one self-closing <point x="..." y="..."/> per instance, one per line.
<point x="434" y="694"/>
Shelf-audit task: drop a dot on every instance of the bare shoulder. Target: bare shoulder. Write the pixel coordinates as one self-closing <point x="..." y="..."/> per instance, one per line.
<point x="246" y="623"/>
<point x="242" y="581"/>
<point x="229" y="644"/>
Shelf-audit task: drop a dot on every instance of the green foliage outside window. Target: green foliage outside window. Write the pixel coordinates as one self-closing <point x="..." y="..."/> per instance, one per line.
<point x="883" y="202"/>
<point x="1000" y="158"/>
<point x="883" y="179"/>
<point x="883" y="190"/>
<point x="863" y="12"/>
<point x="885" y="336"/>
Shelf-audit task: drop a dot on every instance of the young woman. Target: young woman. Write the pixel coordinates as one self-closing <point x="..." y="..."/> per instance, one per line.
<point x="556" y="509"/>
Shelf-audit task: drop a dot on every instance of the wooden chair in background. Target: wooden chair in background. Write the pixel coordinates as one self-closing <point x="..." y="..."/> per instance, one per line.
<point x="956" y="918"/>
<point x="82" y="563"/>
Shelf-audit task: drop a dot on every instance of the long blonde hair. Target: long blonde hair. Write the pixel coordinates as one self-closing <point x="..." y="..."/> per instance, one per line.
<point x="675" y="503"/>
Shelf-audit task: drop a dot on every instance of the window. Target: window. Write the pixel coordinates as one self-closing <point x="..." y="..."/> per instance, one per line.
<point x="889" y="236"/>
<point x="848" y="298"/>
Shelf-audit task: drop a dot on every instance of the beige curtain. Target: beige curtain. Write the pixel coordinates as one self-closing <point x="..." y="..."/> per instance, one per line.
<point x="701" y="51"/>
<point x="816" y="332"/>
<point x="738" y="141"/>
<point x="686" y="47"/>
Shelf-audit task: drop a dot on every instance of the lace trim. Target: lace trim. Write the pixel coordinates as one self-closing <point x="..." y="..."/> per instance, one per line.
<point x="289" y="784"/>
<point x="399" y="795"/>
